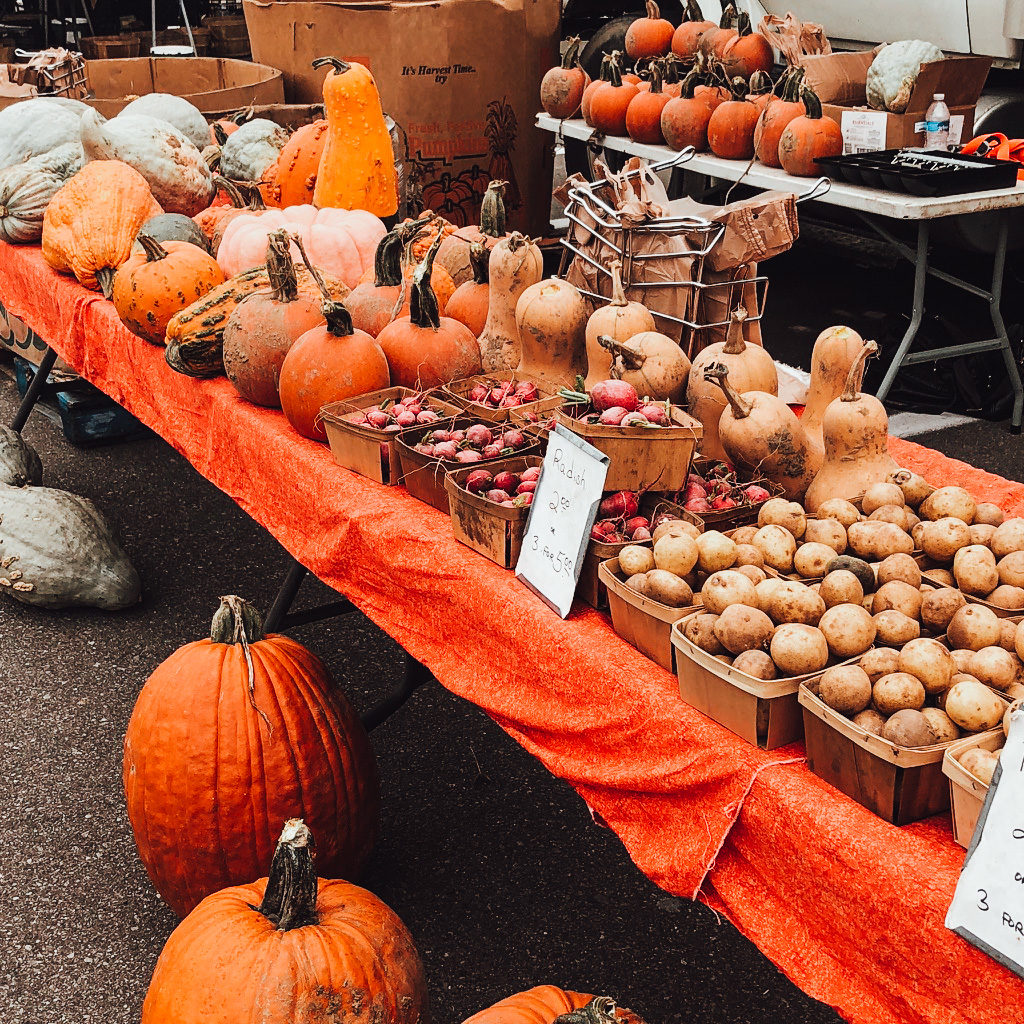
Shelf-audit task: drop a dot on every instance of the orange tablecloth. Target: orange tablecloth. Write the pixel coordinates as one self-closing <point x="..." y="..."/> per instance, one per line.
<point x="848" y="906"/>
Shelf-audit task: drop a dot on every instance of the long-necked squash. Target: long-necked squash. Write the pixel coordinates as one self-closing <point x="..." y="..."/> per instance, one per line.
<point x="834" y="353"/>
<point x="357" y="166"/>
<point x="514" y="265"/>
<point x="552" y="320"/>
<point x="856" y="432"/>
<point x="619" y="320"/>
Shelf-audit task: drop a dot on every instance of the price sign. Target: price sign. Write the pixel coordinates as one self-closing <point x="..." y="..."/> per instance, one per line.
<point x="988" y="906"/>
<point x="561" y="516"/>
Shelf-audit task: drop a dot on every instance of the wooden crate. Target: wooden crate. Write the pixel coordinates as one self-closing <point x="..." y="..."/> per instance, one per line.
<point x="458" y="394"/>
<point x="495" y="531"/>
<point x="368" y="452"/>
<point x="111" y="47"/>
<point x="966" y="792"/>
<point x="640" y="457"/>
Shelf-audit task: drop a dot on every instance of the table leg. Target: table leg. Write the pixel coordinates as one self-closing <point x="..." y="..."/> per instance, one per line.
<point x="998" y="265"/>
<point x="34" y="390"/>
<point x="917" y="314"/>
<point x="415" y="676"/>
<point x="280" y="617"/>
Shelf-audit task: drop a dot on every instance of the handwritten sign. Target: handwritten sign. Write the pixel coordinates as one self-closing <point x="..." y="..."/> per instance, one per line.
<point x="561" y="516"/>
<point x="988" y="906"/>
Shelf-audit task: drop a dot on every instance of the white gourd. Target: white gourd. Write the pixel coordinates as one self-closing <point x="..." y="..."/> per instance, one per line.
<point x="27" y="188"/>
<point x="174" y="168"/>
<point x="175" y="110"/>
<point x="33" y="127"/>
<point x="250" y="151"/>
<point x="893" y="73"/>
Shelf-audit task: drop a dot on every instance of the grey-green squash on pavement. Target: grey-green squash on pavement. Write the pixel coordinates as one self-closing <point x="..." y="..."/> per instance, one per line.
<point x="19" y="461"/>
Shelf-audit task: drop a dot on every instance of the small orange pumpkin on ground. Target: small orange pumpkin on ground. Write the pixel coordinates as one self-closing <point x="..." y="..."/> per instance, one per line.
<point x="561" y="88"/>
<point x="808" y="137"/>
<point x="776" y="115"/>
<point x="731" y="126"/>
<point x="163" y="279"/>
<point x="546" y="1004"/>
<point x="650" y="36"/>
<point x="470" y="302"/>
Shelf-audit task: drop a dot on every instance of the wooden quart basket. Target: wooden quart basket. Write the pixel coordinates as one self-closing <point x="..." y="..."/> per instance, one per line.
<point x="457" y="392"/>
<point x="966" y="792"/>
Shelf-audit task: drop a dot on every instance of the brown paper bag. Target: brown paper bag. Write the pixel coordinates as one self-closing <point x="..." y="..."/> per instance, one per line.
<point x="794" y="38"/>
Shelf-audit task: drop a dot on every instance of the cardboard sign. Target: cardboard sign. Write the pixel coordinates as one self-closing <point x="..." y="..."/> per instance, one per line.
<point x="561" y="516"/>
<point x="988" y="906"/>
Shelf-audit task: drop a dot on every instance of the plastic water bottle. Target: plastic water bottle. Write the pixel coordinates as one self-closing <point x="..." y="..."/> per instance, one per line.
<point x="936" y="124"/>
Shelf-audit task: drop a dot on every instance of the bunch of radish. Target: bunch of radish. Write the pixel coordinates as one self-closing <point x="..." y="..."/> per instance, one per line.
<point x="619" y="520"/>
<point x="476" y="443"/>
<point x="719" y="490"/>
<point x="615" y="403"/>
<point x="513" y="490"/>
<point x="504" y="394"/>
<point x="391" y="416"/>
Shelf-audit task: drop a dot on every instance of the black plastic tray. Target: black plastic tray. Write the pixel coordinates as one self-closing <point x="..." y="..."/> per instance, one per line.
<point x="963" y="174"/>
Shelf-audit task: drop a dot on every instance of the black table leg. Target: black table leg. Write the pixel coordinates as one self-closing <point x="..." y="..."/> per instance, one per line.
<point x="35" y="389"/>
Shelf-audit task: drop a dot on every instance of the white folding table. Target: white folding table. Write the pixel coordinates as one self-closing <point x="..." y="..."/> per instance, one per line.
<point x="872" y="206"/>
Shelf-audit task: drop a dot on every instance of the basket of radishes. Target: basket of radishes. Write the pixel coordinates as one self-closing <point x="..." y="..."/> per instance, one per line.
<point x="537" y="420"/>
<point x="492" y="399"/>
<point x="490" y="505"/>
<point x="361" y="430"/>
<point x="645" y="441"/>
<point x="713" y="492"/>
<point x="427" y="453"/>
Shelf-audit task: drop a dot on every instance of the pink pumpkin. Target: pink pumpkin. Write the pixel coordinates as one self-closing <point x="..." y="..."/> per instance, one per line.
<point x="341" y="243"/>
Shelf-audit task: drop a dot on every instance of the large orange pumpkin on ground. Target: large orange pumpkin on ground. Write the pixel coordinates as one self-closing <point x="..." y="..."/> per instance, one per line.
<point x="289" y="949"/>
<point x="230" y="736"/>
<point x="545" y="1004"/>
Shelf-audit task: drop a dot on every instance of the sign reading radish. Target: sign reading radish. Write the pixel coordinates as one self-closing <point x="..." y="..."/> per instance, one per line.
<point x="564" y="505"/>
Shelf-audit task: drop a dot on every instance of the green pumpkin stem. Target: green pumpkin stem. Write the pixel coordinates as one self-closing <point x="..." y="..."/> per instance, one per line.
<point x="290" y="898"/>
<point x="728" y="16"/>
<point x="571" y="57"/>
<point x="227" y="185"/>
<point x="339" y="319"/>
<point x="693" y="11"/>
<point x="387" y="261"/>
<point x="423" y="308"/>
<point x="657" y="73"/>
<point x="153" y="249"/>
<point x="743" y="24"/>
<point x="479" y="259"/>
<point x="284" y="284"/>
<point x="812" y="105"/>
<point x="105" y="279"/>
<point x="492" y="210"/>
<point x="234" y="620"/>
<point x="615" y="69"/>
<point x="600" y="1010"/>
<point x="692" y="78"/>
<point x="760" y="84"/>
<point x="219" y="134"/>
<point x="337" y="64"/>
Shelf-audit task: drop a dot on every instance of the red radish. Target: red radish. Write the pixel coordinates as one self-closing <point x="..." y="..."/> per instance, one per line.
<point x="506" y="481"/>
<point x="427" y="416"/>
<point x="378" y="419"/>
<point x="637" y="523"/>
<point x="527" y="391"/>
<point x="410" y="400"/>
<point x="697" y="505"/>
<point x="530" y="416"/>
<point x="598" y="535"/>
<point x="479" y="394"/>
<point x="508" y="504"/>
<point x="468" y="455"/>
<point x="513" y="439"/>
<point x="492" y="451"/>
<point x="533" y="473"/>
<point x="642" y="534"/>
<point x="478" y="481"/>
<point x="392" y="428"/>
<point x="613" y="417"/>
<point x="497" y="495"/>
<point x="445" y="450"/>
<point x="424" y="449"/>
<point x="621" y="504"/>
<point x="458" y="436"/>
<point x="414" y="407"/>
<point x="523" y="500"/>
<point x="511" y="401"/>
<point x="478" y="435"/>
<point x="496" y="395"/>
<point x="404" y="418"/>
<point x="723" y="501"/>
<point x="655" y="413"/>
<point x="440" y="435"/>
<point x="608" y="393"/>
<point x="527" y="487"/>
<point x="635" y="419"/>
<point x="755" y="493"/>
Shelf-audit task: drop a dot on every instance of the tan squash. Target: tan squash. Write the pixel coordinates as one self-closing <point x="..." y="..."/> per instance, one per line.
<point x="552" y="320"/>
<point x="514" y="265"/>
<point x="619" y="320"/>
<point x="834" y="353"/>
<point x="750" y="368"/>
<point x="856" y="432"/>
<point x="653" y="363"/>
<point x="761" y="434"/>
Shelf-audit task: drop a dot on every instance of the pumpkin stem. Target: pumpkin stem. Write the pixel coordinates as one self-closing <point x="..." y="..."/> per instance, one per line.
<point x="423" y="308"/>
<point x="812" y="105"/>
<point x="743" y="24"/>
<point x="855" y="378"/>
<point x="290" y="897"/>
<point x="479" y="259"/>
<point x="693" y="78"/>
<point x="284" y="284"/>
<point x="600" y="1010"/>
<point x="240" y="117"/>
<point x="718" y="374"/>
<point x="739" y="88"/>
<point x="227" y="185"/>
<point x="339" y="319"/>
<point x="615" y="69"/>
<point x="653" y="10"/>
<point x="734" y="342"/>
<point x="220" y="136"/>
<point x="387" y="261"/>
<point x="492" y="210"/>
<point x="105" y="279"/>
<point x="693" y="11"/>
<point x="153" y="249"/>
<point x="790" y="83"/>
<point x="728" y="16"/>
<point x="234" y="620"/>
<point x="623" y="357"/>
<point x="670" y="65"/>
<point x="618" y="293"/>
<point x="657" y="73"/>
<point x="760" y="83"/>
<point x="337" y="64"/>
<point x="606" y="68"/>
<point x="571" y="57"/>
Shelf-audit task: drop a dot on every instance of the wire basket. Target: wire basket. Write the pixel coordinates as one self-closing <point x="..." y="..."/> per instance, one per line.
<point x="64" y="75"/>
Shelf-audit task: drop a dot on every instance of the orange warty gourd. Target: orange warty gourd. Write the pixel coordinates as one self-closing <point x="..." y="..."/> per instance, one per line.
<point x="546" y="1004"/>
<point x="731" y="126"/>
<point x="643" y="115"/>
<point x="832" y="358"/>
<point x="287" y="949"/>
<point x="809" y="137"/>
<point x="357" y="166"/>
<point x="425" y="349"/>
<point x="423" y="241"/>
<point x="561" y="88"/>
<point x="263" y="327"/>
<point x="603" y="78"/>
<point x="619" y="320"/>
<point x="650" y="36"/>
<point x="609" y="103"/>
<point x="228" y="737"/>
<point x="516" y="263"/>
<point x="686" y="39"/>
<point x="776" y="115"/>
<point x="163" y="279"/>
<point x="469" y="303"/>
<point x="453" y="255"/>
<point x="91" y="222"/>
<point x="747" y="51"/>
<point x="291" y="179"/>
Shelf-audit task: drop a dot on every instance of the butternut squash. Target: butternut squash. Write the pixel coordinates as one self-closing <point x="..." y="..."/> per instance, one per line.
<point x="856" y="432"/>
<point x="750" y="367"/>
<point x="552" y="321"/>
<point x="619" y="320"/>
<point x="653" y="363"/>
<point x="835" y="351"/>
<point x="761" y="434"/>
<point x="514" y="265"/>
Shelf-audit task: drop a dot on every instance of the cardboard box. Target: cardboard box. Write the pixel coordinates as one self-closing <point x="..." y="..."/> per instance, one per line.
<point x="839" y="80"/>
<point x="460" y="78"/>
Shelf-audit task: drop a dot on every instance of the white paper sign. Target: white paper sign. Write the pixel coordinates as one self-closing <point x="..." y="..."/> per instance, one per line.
<point x="988" y="906"/>
<point x="563" y="511"/>
<point x="863" y="131"/>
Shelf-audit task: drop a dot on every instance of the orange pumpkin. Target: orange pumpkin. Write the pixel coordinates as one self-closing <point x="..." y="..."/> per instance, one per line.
<point x="776" y="115"/>
<point x="561" y="88"/>
<point x="809" y="137"/>
<point x="163" y="279"/>
<point x="684" y="120"/>
<point x="650" y="36"/>
<point x="747" y="51"/>
<point x="453" y="255"/>
<point x="471" y="300"/>
<point x="291" y="179"/>
<point x="545" y="1004"/>
<point x="687" y="38"/>
<point x="731" y="126"/>
<point x="714" y="41"/>
<point x="425" y="349"/>
<point x="609" y="103"/>
<point x="289" y="948"/>
<point x="229" y="736"/>
<point x="643" y="115"/>
<point x="602" y="79"/>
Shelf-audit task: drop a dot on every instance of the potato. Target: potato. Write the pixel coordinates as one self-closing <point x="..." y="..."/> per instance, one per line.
<point x="961" y="660"/>
<point x="634" y="559"/>
<point x="894" y="629"/>
<point x="727" y="587"/>
<point x="848" y="629"/>
<point x="1018" y="640"/>
<point x="912" y="519"/>
<point x="724" y="658"/>
<point x="742" y="628"/>
<point x="777" y="546"/>
<point x="841" y="587"/>
<point x="974" y="627"/>
<point x="747" y="554"/>
<point x="994" y="667"/>
<point x="949" y="502"/>
<point x="795" y="602"/>
<point x="930" y="662"/>
<point x="981" y="533"/>
<point x="675" y="528"/>
<point x="845" y="688"/>
<point x="811" y="559"/>
<point x="669" y="589"/>
<point x="1011" y="569"/>
<point x="861" y="569"/>
<point x="766" y="588"/>
<point x="1015" y="691"/>
<point x="899" y="567"/>
<point x="916" y="533"/>
<point x="880" y="662"/>
<point x="870" y="721"/>
<point x="1008" y="635"/>
<point x="881" y="494"/>
<point x="826" y="531"/>
<point x="1005" y="596"/>
<point x="878" y="540"/>
<point x="897" y="691"/>
<point x="980" y="763"/>
<point x="943" y="577"/>
<point x="909" y="728"/>
<point x="915" y="488"/>
<point x="744" y="534"/>
<point x="839" y="509"/>
<point x="789" y="515"/>
<point x="898" y="596"/>
<point x="945" y="729"/>
<point x="939" y="606"/>
<point x="973" y="706"/>
<point x="895" y="514"/>
<point x="1009" y="536"/>
<point x="715" y="551"/>
<point x="752" y="573"/>
<point x="638" y="582"/>
<point x="700" y="631"/>
<point x="942" y="539"/>
<point x="676" y="552"/>
<point x="1017" y="705"/>
<point x="974" y="569"/>
<point x="987" y="514"/>
<point x="756" y="664"/>
<point x="798" y="649"/>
